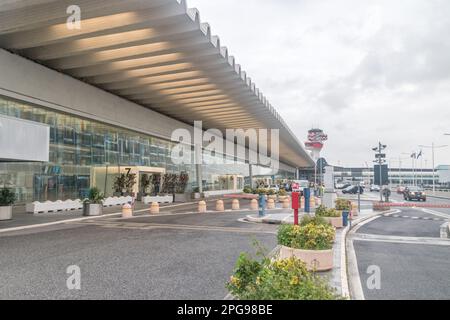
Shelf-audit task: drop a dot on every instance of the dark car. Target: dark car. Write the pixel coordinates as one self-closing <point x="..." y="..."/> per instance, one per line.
<point x="414" y="193"/>
<point x="353" y="190"/>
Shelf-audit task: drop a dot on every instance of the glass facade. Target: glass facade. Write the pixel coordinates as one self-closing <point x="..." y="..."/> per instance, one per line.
<point x="78" y="146"/>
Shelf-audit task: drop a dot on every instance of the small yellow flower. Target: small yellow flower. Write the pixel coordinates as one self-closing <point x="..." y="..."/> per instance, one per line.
<point x="234" y="280"/>
<point x="294" y="281"/>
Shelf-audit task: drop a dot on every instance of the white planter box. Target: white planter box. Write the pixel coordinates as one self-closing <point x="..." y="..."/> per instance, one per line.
<point x="49" y="206"/>
<point x="158" y="199"/>
<point x="335" y="221"/>
<point x="92" y="210"/>
<point x="6" y="213"/>
<point x="319" y="260"/>
<point x="117" y="201"/>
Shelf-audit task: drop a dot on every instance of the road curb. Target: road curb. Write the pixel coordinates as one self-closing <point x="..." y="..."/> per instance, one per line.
<point x="445" y="230"/>
<point x="351" y="277"/>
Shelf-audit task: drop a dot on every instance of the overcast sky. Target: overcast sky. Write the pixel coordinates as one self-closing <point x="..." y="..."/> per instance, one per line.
<point x="363" y="71"/>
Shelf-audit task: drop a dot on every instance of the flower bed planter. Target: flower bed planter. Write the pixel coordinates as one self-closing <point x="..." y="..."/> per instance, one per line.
<point x="318" y="260"/>
<point x="335" y="221"/>
<point x="92" y="209"/>
<point x="5" y="213"/>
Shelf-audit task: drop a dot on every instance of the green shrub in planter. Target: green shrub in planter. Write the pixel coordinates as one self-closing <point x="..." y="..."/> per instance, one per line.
<point x="310" y="236"/>
<point x="343" y="205"/>
<point x="282" y="192"/>
<point x="260" y="191"/>
<point x="7" y="197"/>
<point x="271" y="192"/>
<point x="323" y="211"/>
<point x="286" y="279"/>
<point x="95" y="196"/>
<point x="313" y="219"/>
<point x="247" y="189"/>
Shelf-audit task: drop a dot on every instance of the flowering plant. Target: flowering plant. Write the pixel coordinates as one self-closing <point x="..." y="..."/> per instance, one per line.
<point x="310" y="236"/>
<point x="286" y="279"/>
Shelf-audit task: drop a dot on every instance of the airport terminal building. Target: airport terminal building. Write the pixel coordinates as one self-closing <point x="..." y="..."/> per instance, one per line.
<point x="84" y="100"/>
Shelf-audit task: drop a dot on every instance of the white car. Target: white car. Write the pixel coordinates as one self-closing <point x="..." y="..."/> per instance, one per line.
<point x="374" y="187"/>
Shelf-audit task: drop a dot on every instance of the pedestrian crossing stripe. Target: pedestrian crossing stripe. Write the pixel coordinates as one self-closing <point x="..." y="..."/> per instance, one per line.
<point x="413" y="217"/>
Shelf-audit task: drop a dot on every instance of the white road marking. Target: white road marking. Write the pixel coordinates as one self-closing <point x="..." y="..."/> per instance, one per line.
<point x="400" y="239"/>
<point x="436" y="213"/>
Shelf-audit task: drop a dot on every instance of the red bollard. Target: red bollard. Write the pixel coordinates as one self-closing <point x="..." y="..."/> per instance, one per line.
<point x="295" y="206"/>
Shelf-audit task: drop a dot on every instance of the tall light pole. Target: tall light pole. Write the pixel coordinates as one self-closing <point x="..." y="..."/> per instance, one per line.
<point x="433" y="147"/>
<point x="380" y="159"/>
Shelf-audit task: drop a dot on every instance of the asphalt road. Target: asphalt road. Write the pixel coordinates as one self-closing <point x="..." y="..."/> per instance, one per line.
<point x="414" y="262"/>
<point x="170" y="257"/>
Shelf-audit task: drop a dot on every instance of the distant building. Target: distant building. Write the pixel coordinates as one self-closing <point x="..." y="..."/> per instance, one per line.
<point x="397" y="176"/>
<point x="443" y="172"/>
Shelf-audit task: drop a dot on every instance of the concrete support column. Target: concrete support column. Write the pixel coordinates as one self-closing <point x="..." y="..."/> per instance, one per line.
<point x="198" y="166"/>
<point x="250" y="173"/>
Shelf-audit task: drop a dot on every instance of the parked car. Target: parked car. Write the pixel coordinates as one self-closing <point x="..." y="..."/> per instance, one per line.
<point x="414" y="193"/>
<point x="374" y="187"/>
<point x="353" y="190"/>
<point x="401" y="190"/>
<point x="342" y="186"/>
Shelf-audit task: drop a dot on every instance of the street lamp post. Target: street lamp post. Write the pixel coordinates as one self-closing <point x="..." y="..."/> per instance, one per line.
<point x="380" y="159"/>
<point x="433" y="147"/>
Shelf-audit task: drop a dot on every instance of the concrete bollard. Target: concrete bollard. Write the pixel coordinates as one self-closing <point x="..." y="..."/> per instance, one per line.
<point x="270" y="204"/>
<point x="220" y="206"/>
<point x="286" y="203"/>
<point x="235" y="204"/>
<point x="302" y="203"/>
<point x="154" y="208"/>
<point x="202" y="207"/>
<point x="254" y="204"/>
<point x="127" y="211"/>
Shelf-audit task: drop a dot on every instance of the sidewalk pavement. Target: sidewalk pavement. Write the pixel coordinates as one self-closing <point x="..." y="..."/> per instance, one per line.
<point x="24" y="220"/>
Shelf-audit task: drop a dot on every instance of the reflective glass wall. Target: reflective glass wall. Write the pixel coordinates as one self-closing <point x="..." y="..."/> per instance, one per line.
<point x="78" y="145"/>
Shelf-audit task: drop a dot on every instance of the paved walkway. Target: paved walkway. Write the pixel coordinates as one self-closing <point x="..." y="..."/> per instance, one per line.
<point x="170" y="256"/>
<point x="21" y="219"/>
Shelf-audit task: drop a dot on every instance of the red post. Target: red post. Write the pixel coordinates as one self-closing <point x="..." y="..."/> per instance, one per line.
<point x="295" y="206"/>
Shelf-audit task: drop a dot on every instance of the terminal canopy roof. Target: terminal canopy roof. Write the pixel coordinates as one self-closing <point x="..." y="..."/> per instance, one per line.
<point x="155" y="53"/>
